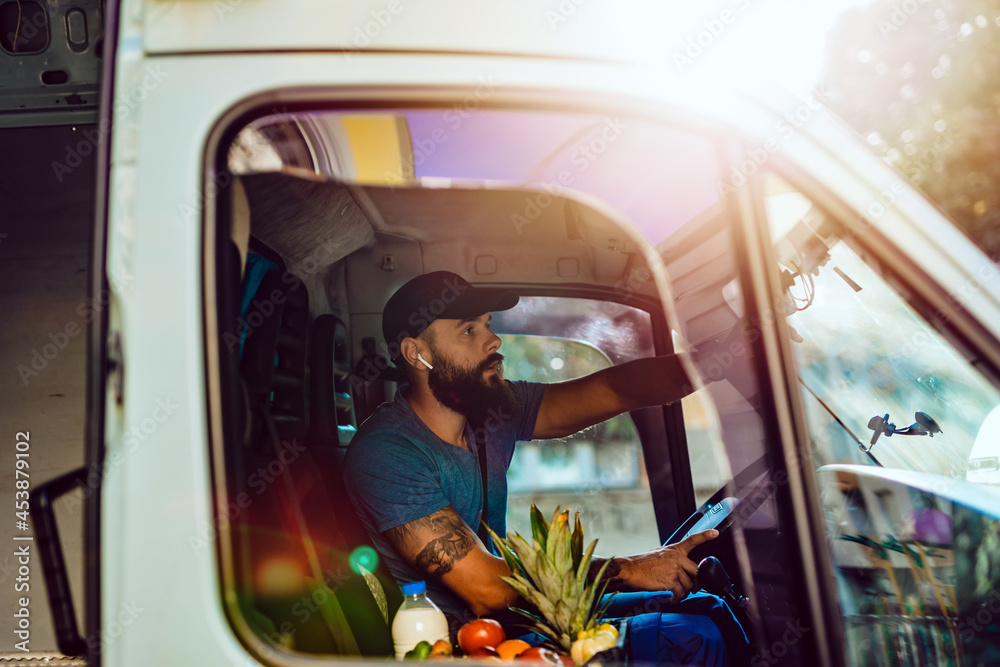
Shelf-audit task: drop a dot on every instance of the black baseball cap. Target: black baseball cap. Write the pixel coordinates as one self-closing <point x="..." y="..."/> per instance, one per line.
<point x="439" y="295"/>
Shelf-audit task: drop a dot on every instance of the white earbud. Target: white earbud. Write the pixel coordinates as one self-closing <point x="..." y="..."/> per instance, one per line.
<point x="424" y="362"/>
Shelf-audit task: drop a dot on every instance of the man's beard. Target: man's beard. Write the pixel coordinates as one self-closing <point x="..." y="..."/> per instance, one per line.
<point x="467" y="392"/>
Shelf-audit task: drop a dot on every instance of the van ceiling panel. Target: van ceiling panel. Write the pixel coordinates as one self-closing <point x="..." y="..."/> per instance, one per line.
<point x="296" y="216"/>
<point x="527" y="264"/>
<point x="492" y="216"/>
<point x="311" y="224"/>
<point x="524" y="238"/>
<point x="389" y="235"/>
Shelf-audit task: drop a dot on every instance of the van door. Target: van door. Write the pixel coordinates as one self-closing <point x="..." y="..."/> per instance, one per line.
<point x="55" y="130"/>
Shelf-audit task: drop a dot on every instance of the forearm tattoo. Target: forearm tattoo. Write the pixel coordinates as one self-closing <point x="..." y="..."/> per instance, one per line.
<point x="451" y="540"/>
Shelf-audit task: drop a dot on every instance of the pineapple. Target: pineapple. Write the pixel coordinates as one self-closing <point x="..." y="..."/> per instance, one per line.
<point x="551" y="573"/>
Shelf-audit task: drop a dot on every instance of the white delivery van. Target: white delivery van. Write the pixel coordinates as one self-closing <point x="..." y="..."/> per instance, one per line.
<point x="270" y="172"/>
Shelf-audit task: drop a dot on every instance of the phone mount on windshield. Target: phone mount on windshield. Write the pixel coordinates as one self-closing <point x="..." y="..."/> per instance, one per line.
<point x="924" y="425"/>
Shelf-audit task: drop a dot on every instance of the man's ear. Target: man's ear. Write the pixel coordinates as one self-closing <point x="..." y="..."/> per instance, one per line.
<point x="409" y="349"/>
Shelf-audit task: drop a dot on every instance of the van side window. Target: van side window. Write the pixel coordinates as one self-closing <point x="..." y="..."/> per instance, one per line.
<point x="884" y="388"/>
<point x="600" y="471"/>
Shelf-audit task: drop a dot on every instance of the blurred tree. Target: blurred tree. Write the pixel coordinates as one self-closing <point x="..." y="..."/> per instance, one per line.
<point x="920" y="79"/>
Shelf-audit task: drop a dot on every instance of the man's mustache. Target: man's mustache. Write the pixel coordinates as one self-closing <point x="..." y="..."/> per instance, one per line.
<point x="494" y="358"/>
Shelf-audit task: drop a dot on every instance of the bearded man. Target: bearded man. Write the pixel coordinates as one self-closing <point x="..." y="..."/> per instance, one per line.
<point x="427" y="470"/>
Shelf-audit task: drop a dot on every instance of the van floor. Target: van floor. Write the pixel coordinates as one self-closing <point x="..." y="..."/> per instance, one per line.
<point x="46" y="221"/>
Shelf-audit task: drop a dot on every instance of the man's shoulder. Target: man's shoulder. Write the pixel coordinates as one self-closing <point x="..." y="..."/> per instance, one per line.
<point x="527" y="391"/>
<point x="388" y="431"/>
<point x="529" y="397"/>
<point x="386" y="416"/>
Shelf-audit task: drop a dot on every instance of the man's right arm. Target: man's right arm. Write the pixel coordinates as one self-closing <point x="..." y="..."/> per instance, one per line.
<point x="442" y="545"/>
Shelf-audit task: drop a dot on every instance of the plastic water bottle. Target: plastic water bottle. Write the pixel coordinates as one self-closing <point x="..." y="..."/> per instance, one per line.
<point x="417" y="620"/>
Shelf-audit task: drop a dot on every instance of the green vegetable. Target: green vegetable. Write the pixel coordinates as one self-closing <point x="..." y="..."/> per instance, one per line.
<point x="419" y="652"/>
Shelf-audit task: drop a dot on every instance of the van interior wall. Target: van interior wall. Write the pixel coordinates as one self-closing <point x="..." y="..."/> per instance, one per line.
<point x="47" y="224"/>
<point x="371" y="274"/>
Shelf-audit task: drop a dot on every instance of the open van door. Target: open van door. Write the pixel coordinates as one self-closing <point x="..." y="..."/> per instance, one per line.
<point x="55" y="122"/>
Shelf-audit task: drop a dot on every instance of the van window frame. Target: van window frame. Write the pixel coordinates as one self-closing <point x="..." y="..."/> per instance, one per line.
<point x="745" y="228"/>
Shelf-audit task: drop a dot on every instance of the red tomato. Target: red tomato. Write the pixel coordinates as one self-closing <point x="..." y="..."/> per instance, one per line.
<point x="479" y="633"/>
<point x="484" y="652"/>
<point x="540" y="655"/>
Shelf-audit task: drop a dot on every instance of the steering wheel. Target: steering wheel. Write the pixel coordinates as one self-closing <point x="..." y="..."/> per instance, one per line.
<point x="736" y="501"/>
<point x="719" y="512"/>
<point x="751" y="488"/>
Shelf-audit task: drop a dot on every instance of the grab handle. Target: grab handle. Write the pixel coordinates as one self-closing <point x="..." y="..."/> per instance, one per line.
<point x="42" y="502"/>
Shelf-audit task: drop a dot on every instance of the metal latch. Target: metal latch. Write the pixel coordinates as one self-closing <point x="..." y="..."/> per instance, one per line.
<point x="116" y="366"/>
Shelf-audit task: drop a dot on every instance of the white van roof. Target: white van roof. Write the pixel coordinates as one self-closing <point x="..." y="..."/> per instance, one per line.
<point x="624" y="31"/>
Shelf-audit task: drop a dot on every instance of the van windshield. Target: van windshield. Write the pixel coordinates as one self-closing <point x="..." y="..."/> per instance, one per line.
<point x="868" y="362"/>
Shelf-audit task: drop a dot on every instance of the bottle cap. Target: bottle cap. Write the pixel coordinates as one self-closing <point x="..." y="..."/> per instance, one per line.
<point x="414" y="587"/>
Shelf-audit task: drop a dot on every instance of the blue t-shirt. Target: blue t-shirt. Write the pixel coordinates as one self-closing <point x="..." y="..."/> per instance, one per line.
<point x="397" y="471"/>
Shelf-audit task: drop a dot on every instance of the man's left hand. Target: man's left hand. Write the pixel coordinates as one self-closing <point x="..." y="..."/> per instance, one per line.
<point x="666" y="568"/>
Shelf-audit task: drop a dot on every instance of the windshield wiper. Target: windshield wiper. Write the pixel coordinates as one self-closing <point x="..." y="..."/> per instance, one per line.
<point x="861" y="446"/>
<point x="924" y="424"/>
